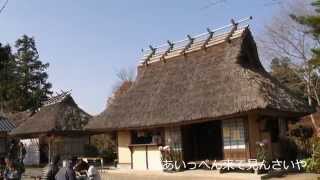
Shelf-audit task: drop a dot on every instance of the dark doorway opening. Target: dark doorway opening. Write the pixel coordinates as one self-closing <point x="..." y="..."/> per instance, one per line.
<point x="202" y="141"/>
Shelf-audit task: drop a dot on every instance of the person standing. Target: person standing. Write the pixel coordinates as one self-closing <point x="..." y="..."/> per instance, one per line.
<point x="2" y="168"/>
<point x="51" y="169"/>
<point x="21" y="152"/>
<point x="13" y="150"/>
<point x="11" y="171"/>
<point x="66" y="172"/>
<point x="93" y="173"/>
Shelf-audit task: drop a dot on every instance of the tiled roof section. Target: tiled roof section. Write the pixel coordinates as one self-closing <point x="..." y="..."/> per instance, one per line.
<point x="6" y="125"/>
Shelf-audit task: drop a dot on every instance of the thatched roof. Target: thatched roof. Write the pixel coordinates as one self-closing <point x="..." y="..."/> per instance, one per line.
<point x="60" y="116"/>
<point x="17" y="118"/>
<point x="224" y="79"/>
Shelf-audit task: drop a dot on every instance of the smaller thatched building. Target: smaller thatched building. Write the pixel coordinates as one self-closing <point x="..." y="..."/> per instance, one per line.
<point x="57" y="128"/>
<point x="208" y="98"/>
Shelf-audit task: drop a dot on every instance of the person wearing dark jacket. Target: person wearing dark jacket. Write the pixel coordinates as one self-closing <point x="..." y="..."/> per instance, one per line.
<point x="52" y="169"/>
<point x="2" y="168"/>
<point x="66" y="172"/>
<point x="12" y="171"/>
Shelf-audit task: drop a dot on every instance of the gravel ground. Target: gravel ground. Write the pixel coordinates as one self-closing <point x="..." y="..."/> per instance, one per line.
<point x="199" y="174"/>
<point x="31" y="172"/>
<point x="186" y="175"/>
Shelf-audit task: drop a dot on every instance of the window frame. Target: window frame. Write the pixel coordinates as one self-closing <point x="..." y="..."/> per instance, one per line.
<point x="154" y="134"/>
<point x="234" y="134"/>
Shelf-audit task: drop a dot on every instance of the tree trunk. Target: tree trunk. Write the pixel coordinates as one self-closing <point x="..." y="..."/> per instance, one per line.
<point x="316" y="127"/>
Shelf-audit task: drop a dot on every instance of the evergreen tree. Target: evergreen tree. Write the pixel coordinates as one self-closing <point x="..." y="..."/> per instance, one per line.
<point x="8" y="79"/>
<point x="312" y="21"/>
<point x="33" y="85"/>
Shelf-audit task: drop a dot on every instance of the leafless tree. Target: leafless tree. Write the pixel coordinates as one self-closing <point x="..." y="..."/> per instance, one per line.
<point x="284" y="37"/>
<point x="126" y="74"/>
<point x="126" y="77"/>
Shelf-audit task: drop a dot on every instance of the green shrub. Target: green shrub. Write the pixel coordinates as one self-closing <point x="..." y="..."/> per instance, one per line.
<point x="91" y="150"/>
<point x="302" y="136"/>
<point x="313" y="163"/>
<point x="261" y="154"/>
<point x="288" y="149"/>
<point x="108" y="155"/>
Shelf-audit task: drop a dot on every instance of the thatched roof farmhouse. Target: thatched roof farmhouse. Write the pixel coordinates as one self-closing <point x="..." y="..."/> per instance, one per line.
<point x="208" y="98"/>
<point x="227" y="79"/>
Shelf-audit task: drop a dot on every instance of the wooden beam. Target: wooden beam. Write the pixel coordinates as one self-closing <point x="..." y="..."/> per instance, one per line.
<point x="204" y="46"/>
<point x="191" y="40"/>
<point x="233" y="29"/>
<point x="170" y="48"/>
<point x="153" y="52"/>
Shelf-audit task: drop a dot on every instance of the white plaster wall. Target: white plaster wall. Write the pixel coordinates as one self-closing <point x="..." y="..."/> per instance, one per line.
<point x="154" y="158"/>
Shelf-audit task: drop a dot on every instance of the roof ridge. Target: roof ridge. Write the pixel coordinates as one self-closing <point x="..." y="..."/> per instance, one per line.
<point x="57" y="99"/>
<point x="198" y="42"/>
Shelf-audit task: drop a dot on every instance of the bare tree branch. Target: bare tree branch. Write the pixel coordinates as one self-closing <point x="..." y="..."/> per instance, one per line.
<point x="4" y="6"/>
<point x="285" y="37"/>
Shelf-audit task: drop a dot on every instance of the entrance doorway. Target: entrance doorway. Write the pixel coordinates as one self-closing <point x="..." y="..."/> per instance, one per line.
<point x="202" y="141"/>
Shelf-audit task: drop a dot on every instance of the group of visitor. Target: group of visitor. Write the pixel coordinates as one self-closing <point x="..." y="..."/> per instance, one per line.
<point x="72" y="169"/>
<point x="12" y="167"/>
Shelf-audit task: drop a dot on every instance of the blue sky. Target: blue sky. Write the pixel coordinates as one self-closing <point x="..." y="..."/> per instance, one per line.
<point x="88" y="42"/>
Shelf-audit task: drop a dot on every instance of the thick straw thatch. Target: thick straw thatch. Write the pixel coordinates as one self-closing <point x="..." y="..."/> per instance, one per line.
<point x="18" y="118"/>
<point x="64" y="115"/>
<point x="225" y="79"/>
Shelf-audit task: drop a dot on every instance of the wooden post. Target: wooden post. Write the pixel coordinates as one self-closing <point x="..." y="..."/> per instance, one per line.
<point x="282" y="127"/>
<point x="49" y="144"/>
<point x="147" y="162"/>
<point x="131" y="156"/>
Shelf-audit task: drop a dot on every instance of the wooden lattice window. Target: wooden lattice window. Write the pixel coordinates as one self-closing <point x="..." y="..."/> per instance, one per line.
<point x="233" y="134"/>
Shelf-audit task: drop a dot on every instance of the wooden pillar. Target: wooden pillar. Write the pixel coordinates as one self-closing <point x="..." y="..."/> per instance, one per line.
<point x="49" y="153"/>
<point x="131" y="157"/>
<point x="282" y="127"/>
<point x="147" y="162"/>
<point x="253" y="133"/>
